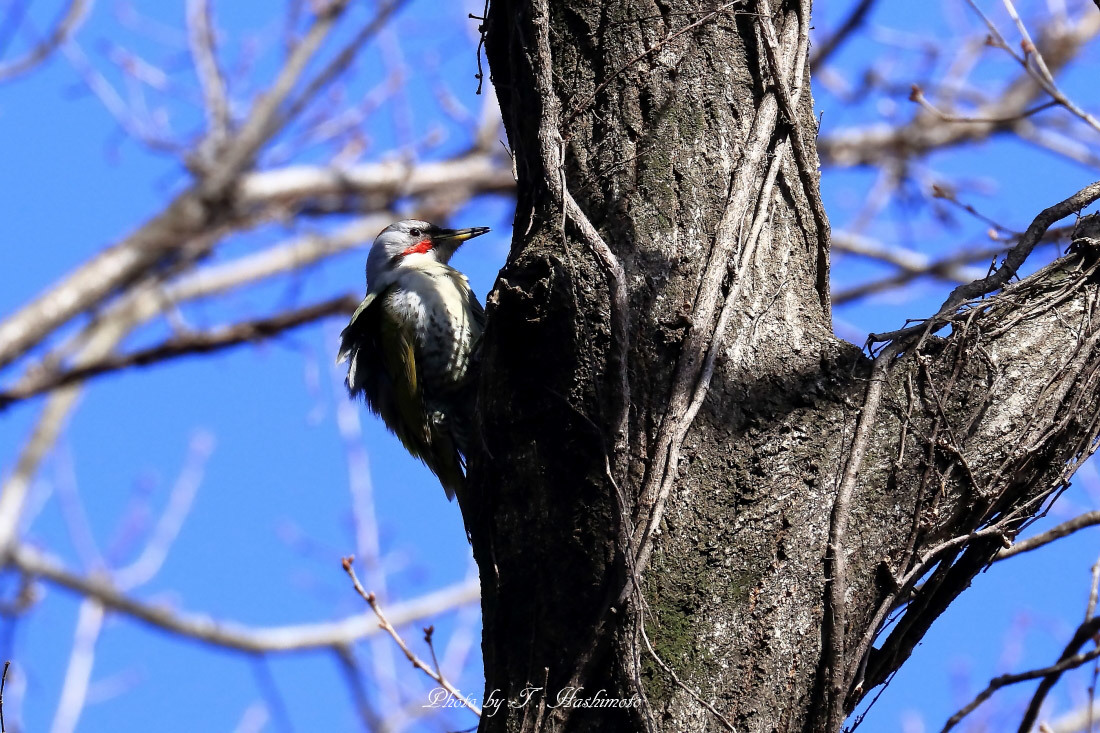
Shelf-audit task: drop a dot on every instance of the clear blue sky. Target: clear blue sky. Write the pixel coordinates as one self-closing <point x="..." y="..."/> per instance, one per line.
<point x="273" y="514"/>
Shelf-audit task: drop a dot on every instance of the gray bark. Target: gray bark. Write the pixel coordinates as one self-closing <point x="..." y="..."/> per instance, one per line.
<point x="760" y="592"/>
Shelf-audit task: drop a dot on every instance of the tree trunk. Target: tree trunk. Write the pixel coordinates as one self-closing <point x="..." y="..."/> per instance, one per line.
<point x="691" y="494"/>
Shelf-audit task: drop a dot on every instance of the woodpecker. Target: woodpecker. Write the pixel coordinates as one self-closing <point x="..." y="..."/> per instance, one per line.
<point x="409" y="343"/>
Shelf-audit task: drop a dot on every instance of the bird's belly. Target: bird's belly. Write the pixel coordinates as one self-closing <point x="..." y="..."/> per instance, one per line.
<point x="445" y="333"/>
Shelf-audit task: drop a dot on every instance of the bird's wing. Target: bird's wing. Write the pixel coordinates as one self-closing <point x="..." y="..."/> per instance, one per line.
<point x="348" y="341"/>
<point x="476" y="311"/>
<point x="401" y="403"/>
<point x="381" y="358"/>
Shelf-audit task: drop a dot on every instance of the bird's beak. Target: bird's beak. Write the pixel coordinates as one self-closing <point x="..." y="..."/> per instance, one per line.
<point x="460" y="235"/>
<point x="446" y="241"/>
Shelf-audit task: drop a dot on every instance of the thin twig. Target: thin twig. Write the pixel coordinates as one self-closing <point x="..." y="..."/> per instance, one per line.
<point x="78" y="673"/>
<point x="364" y="521"/>
<point x="1049" y="675"/>
<point x="1088" y="519"/>
<point x="1011" y="265"/>
<point x="880" y="145"/>
<point x="1040" y="69"/>
<point x="482" y="30"/>
<point x="917" y="95"/>
<point x="830" y="45"/>
<point x="203" y="50"/>
<point x="409" y="654"/>
<point x="74" y="16"/>
<point x="3" y="681"/>
<point x="676" y="679"/>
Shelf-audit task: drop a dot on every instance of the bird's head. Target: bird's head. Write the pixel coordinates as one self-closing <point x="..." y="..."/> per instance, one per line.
<point x="413" y="243"/>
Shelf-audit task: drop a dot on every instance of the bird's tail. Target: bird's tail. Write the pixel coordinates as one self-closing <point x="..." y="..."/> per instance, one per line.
<point x="447" y="463"/>
<point x="454" y="482"/>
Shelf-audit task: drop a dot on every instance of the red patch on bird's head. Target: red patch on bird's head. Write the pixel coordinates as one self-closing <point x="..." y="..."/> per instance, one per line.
<point x="419" y="248"/>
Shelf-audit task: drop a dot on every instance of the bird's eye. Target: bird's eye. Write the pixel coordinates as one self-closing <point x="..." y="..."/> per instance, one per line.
<point x="415" y="232"/>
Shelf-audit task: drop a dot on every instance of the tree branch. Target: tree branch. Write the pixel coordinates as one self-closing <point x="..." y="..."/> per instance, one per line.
<point x="1049" y="675"/>
<point x="925" y="133"/>
<point x="384" y="623"/>
<point x="1008" y="269"/>
<point x="231" y="635"/>
<point x="479" y="172"/>
<point x="183" y="345"/>
<point x="74" y="16"/>
<point x="195" y="213"/>
<point x="830" y="45"/>
<point x="1088" y="519"/>
<point x="201" y="40"/>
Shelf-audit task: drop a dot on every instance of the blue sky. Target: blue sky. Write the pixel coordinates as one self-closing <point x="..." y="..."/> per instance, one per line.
<point x="273" y="513"/>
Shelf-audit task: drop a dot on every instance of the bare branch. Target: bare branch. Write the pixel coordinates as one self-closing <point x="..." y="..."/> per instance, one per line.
<point x="912" y="261"/>
<point x="999" y="277"/>
<point x="231" y="635"/>
<point x="416" y="661"/>
<point x="1049" y="676"/>
<point x="74" y="690"/>
<point x="185" y="344"/>
<point x="1060" y="43"/>
<point x="197" y="214"/>
<point x="203" y="50"/>
<point x="340" y="63"/>
<point x="1088" y="519"/>
<point x="913" y="265"/>
<point x="1039" y="69"/>
<point x="65" y="28"/>
<point x="476" y="172"/>
<point x="917" y="95"/>
<point x="851" y="23"/>
<point x="267" y="117"/>
<point x="293" y="254"/>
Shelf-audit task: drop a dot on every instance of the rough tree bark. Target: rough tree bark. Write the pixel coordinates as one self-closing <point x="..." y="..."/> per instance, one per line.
<point x="690" y="490"/>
